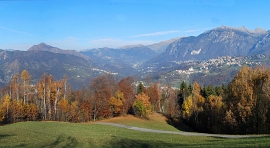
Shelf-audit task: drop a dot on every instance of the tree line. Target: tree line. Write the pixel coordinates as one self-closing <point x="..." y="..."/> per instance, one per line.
<point x="241" y="107"/>
<point x="54" y="100"/>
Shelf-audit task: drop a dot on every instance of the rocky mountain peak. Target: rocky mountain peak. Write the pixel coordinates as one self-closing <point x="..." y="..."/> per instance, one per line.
<point x="221" y="41"/>
<point x="243" y="29"/>
<point x="45" y="47"/>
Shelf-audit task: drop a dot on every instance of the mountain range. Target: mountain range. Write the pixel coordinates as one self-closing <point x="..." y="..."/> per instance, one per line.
<point x="221" y="41"/>
<point x="140" y="60"/>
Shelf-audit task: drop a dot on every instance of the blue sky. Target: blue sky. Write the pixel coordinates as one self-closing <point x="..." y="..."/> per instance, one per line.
<point x="90" y="24"/>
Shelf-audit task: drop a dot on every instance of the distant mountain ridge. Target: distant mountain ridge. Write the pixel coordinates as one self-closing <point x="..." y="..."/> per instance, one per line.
<point x="139" y="60"/>
<point x="130" y="55"/>
<point x="49" y="48"/>
<point x="39" y="62"/>
<point x="221" y="41"/>
<point x="161" y="46"/>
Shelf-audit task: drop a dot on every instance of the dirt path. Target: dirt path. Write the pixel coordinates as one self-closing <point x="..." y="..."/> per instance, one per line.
<point x="179" y="133"/>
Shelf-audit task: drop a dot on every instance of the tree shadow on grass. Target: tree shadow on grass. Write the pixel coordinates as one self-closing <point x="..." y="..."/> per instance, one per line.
<point x="179" y="124"/>
<point x="4" y="135"/>
<point x="220" y="142"/>
<point x="127" y="143"/>
<point x="63" y="141"/>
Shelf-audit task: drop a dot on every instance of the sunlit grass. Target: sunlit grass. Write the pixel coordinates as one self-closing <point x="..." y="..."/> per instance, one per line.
<point x="154" y="121"/>
<point x="60" y="134"/>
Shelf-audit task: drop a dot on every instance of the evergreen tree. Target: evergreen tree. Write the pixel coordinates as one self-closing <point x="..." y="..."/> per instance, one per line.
<point x="140" y="88"/>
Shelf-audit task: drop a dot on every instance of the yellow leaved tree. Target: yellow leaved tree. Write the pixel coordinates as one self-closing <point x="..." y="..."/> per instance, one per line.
<point x="116" y="103"/>
<point x="187" y="108"/>
<point x="142" y="106"/>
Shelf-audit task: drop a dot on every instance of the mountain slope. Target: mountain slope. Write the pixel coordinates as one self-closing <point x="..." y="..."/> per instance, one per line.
<point x="221" y="41"/>
<point x="262" y="46"/>
<point x="161" y="46"/>
<point x="125" y="59"/>
<point x="49" y="48"/>
<point x="130" y="54"/>
<point x="78" y="70"/>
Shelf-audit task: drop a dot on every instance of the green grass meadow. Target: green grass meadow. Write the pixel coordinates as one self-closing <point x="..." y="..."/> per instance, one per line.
<point x="61" y="134"/>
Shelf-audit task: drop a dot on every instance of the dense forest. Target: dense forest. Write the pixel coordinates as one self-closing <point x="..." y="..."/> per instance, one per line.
<point x="239" y="108"/>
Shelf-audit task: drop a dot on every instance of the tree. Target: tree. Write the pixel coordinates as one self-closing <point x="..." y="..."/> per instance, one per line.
<point x="142" y="105"/>
<point x="154" y="94"/>
<point x="219" y="90"/>
<point x="261" y="100"/>
<point x="173" y="108"/>
<point x="86" y="110"/>
<point x="101" y="93"/>
<point x="184" y="92"/>
<point x="31" y="112"/>
<point x="187" y="108"/>
<point x="42" y="93"/>
<point x="208" y="91"/>
<point x="125" y="86"/>
<point x="112" y="83"/>
<point x="230" y="122"/>
<point x="247" y="101"/>
<point x="197" y="101"/>
<point x="140" y="88"/>
<point x="167" y="93"/>
<point x="58" y="94"/>
<point x="240" y="99"/>
<point x="25" y="84"/>
<point x="73" y="110"/>
<point x="17" y="110"/>
<point x="15" y="87"/>
<point x="63" y="109"/>
<point x="116" y="103"/>
<point x="6" y="105"/>
<point x="214" y="113"/>
<point x="65" y="86"/>
<point x="2" y="116"/>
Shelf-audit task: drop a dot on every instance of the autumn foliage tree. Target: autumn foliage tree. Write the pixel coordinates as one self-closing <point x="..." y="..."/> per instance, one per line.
<point x="25" y="84"/>
<point x="125" y="86"/>
<point x="247" y="99"/>
<point x="187" y="108"/>
<point x="154" y="94"/>
<point x="241" y="107"/>
<point x="142" y="105"/>
<point x="100" y="94"/>
<point x="116" y="103"/>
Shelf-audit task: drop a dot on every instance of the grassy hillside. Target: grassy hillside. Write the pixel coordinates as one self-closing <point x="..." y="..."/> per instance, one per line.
<point x="155" y="121"/>
<point x="60" y="134"/>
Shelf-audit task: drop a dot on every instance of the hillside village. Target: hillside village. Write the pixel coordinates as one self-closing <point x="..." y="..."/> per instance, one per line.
<point x="205" y="65"/>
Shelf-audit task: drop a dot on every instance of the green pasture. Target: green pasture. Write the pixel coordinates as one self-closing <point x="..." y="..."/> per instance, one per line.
<point x="61" y="134"/>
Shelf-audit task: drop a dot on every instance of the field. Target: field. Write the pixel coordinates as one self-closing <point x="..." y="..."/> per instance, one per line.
<point x="61" y="134"/>
<point x="155" y="121"/>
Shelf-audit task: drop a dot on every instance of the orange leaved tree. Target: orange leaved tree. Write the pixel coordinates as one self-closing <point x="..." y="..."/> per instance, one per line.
<point x="142" y="106"/>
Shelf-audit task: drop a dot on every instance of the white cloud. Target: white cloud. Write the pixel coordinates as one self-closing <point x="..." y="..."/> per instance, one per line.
<point x="156" y="33"/>
<point x="160" y="33"/>
<point x="18" y="32"/>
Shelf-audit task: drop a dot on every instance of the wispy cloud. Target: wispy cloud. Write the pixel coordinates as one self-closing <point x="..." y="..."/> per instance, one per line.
<point x="160" y="33"/>
<point x="156" y="33"/>
<point x="196" y="30"/>
<point x="15" y="31"/>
